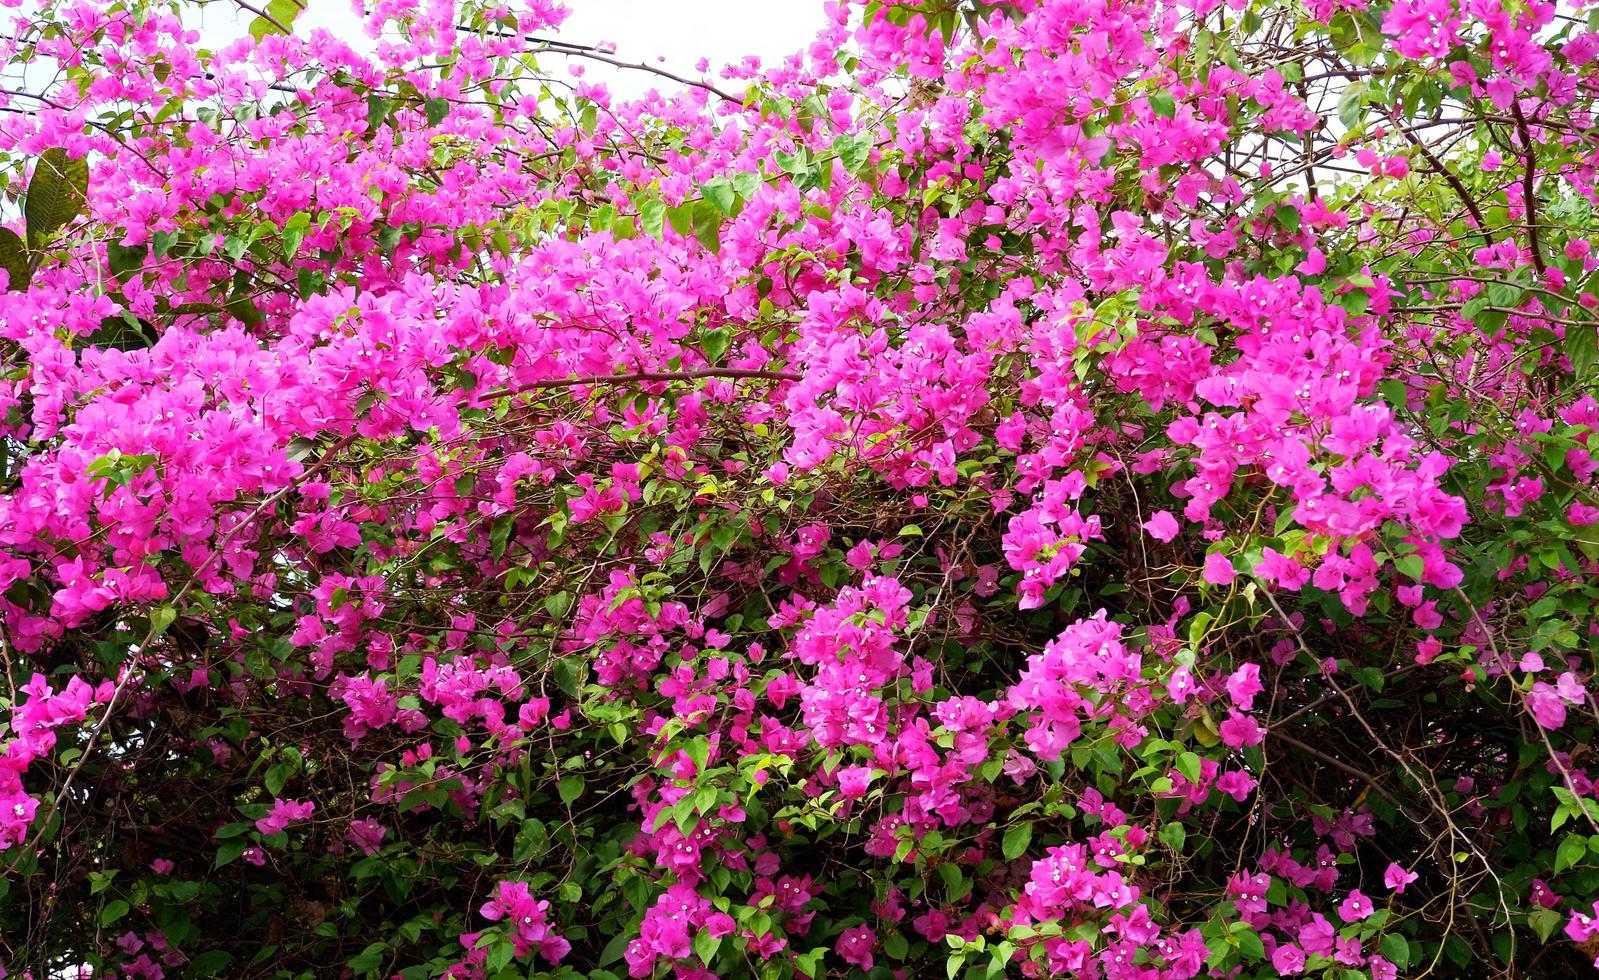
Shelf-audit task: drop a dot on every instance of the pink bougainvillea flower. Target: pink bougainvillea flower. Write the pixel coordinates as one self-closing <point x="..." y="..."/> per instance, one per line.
<point x="527" y="920"/>
<point x="855" y="946"/>
<point x="1396" y="878"/>
<point x="1162" y="526"/>
<point x="366" y="835"/>
<point x="1583" y="926"/>
<point x="1218" y="569"/>
<point x="1288" y="960"/>
<point x="1355" y="907"/>
<point x="852" y="781"/>
<point x="1240" y="730"/>
<point x="1243" y="684"/>
<point x="1546" y="705"/>
<point x="284" y="813"/>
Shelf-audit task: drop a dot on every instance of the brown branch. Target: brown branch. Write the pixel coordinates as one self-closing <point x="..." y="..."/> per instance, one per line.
<point x="30" y="840"/>
<point x="1337" y="763"/>
<point x="1527" y="174"/>
<point x="593" y="54"/>
<point x="1428" y="788"/>
<point x="1454" y="182"/>
<point x="645" y="376"/>
<point x="46" y="100"/>
<point x="642" y="66"/>
<point x="261" y="13"/>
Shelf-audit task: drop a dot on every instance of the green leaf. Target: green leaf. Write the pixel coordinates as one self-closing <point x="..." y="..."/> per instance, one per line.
<point x="280" y="14"/>
<point x="1201" y="56"/>
<point x="1277" y="892"/>
<point x="14" y="260"/>
<point x="123" y="332"/>
<point x="500" y="954"/>
<point x="1016" y="840"/>
<point x="161" y="242"/>
<point x="951" y="873"/>
<point x="500" y="534"/>
<point x="807" y="962"/>
<point x="284" y="11"/>
<point x="210" y="963"/>
<point x="854" y="151"/>
<point x="699" y="750"/>
<point x="378" y="109"/>
<point x="681" y="218"/>
<point x="243" y="309"/>
<point x="1489" y="321"/>
<point x="56" y="194"/>
<point x="1163" y="104"/>
<point x="708" y="225"/>
<point x="567" y="677"/>
<point x="1250" y="946"/>
<point x="706" y="799"/>
<point x="716" y="343"/>
<point x="1174" y="835"/>
<point x="953" y="965"/>
<point x="369" y="959"/>
<point x="615" y="949"/>
<point x="706" y="945"/>
<point x="1543" y="922"/>
<point x="1504" y="294"/>
<point x="1189" y="765"/>
<point x="1410" y="566"/>
<point x="652" y="218"/>
<point x="1352" y="105"/>
<point x="113" y="911"/>
<point x="895" y="946"/>
<point x="1581" y="344"/>
<point x="1571" y="850"/>
<point x="162" y="617"/>
<point x="294" y="230"/>
<point x="719" y="191"/>
<point x="436" y="110"/>
<point x="571" y="788"/>
<point x="276" y="777"/>
<point x="1396" y="949"/>
<point x="230" y="851"/>
<point x="747" y="184"/>
<point x="124" y="260"/>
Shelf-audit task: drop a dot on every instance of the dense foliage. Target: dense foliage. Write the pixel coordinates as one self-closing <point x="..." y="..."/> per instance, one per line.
<point x="1092" y="488"/>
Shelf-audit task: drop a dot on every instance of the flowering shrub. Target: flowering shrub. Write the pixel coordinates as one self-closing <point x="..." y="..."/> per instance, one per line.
<point x="1092" y="488"/>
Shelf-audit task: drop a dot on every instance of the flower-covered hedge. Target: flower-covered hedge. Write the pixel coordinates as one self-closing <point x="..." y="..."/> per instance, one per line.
<point x="1084" y="488"/>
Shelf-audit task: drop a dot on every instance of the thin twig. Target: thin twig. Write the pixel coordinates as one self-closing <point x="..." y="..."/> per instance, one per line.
<point x="644" y="376"/>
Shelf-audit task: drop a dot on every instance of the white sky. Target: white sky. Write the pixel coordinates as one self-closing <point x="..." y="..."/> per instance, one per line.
<point x="680" y="31"/>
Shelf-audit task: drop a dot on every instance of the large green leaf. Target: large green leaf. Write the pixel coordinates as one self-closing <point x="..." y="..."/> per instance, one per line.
<point x="14" y="259"/>
<point x="1581" y="346"/>
<point x="56" y="194"/>
<point x="280" y="14"/>
<point x="123" y="332"/>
